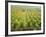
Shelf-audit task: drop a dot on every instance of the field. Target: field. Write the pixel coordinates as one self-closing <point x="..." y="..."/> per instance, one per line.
<point x="25" y="18"/>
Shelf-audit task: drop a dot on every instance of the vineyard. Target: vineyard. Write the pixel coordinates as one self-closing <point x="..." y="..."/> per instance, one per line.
<point x="24" y="18"/>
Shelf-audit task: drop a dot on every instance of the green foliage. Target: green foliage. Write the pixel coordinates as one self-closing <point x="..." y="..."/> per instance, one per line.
<point x="25" y="19"/>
